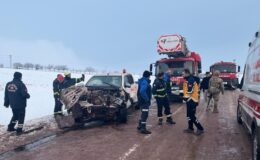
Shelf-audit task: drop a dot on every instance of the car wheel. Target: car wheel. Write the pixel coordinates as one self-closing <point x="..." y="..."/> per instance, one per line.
<point x="256" y="147"/>
<point x="239" y="115"/>
<point x="123" y="115"/>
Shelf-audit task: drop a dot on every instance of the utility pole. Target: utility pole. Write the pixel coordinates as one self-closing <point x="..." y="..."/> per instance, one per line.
<point x="11" y="63"/>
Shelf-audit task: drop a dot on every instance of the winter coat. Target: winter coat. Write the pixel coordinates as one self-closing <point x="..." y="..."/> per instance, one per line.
<point x="205" y="83"/>
<point x="68" y="82"/>
<point x="57" y="87"/>
<point x="16" y="94"/>
<point x="216" y="85"/>
<point x="159" y="88"/>
<point x="144" y="92"/>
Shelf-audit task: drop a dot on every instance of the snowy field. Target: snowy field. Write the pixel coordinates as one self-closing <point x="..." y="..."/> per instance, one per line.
<point x="39" y="85"/>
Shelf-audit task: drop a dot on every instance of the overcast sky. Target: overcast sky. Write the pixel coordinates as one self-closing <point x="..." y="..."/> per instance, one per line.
<point x="116" y="34"/>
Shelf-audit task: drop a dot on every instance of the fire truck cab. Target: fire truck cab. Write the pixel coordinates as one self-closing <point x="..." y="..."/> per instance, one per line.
<point x="179" y="58"/>
<point x="228" y="72"/>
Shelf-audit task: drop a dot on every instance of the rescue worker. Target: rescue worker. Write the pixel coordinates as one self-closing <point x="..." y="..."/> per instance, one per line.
<point x="191" y="97"/>
<point x="144" y="95"/>
<point x="57" y="87"/>
<point x="68" y="81"/>
<point x="215" y="87"/>
<point x="204" y="86"/>
<point x="16" y="96"/>
<point x="160" y="93"/>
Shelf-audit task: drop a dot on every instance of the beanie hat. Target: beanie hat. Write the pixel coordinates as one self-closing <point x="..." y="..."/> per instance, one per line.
<point x="146" y="74"/>
<point x="60" y="77"/>
<point x="17" y="75"/>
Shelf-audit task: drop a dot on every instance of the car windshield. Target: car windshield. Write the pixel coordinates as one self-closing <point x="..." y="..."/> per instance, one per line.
<point x="105" y="81"/>
<point x="176" y="67"/>
<point x="225" y="68"/>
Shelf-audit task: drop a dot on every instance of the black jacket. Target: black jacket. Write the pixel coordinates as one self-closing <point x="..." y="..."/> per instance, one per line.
<point x="159" y="88"/>
<point x="57" y="87"/>
<point x="205" y="83"/>
<point x="16" y="94"/>
<point x="68" y="82"/>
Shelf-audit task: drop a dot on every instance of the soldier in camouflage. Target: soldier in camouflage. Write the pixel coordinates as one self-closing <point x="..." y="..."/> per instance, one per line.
<point x="215" y="88"/>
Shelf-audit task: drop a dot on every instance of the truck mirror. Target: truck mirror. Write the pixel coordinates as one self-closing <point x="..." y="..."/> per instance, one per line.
<point x="151" y="67"/>
<point x="238" y="69"/>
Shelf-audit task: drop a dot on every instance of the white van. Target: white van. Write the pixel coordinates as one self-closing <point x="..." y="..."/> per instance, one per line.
<point x="248" y="110"/>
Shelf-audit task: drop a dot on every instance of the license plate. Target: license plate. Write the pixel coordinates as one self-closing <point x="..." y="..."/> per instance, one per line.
<point x="225" y="82"/>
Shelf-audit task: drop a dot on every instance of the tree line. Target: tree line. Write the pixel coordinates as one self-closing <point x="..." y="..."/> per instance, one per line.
<point x="28" y="66"/>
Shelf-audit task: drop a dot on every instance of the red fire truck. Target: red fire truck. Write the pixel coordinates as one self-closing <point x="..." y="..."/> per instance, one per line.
<point x="179" y="58"/>
<point x="228" y="72"/>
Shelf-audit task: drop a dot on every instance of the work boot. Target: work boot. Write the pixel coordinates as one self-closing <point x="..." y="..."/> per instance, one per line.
<point x="188" y="130"/>
<point x="19" y="131"/>
<point x="10" y="129"/>
<point x="160" y="121"/>
<point x="145" y="131"/>
<point x="199" y="132"/>
<point x="170" y="121"/>
<point x="138" y="128"/>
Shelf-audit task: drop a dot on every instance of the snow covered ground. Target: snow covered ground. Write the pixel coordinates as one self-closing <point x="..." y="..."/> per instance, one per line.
<point x="39" y="85"/>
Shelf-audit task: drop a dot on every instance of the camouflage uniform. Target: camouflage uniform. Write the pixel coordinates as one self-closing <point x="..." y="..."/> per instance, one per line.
<point x="215" y="87"/>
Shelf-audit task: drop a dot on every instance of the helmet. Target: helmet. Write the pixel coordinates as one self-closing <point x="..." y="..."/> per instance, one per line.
<point x="67" y="74"/>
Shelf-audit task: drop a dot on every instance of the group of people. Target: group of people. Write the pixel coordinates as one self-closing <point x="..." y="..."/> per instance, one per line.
<point x="211" y="86"/>
<point x="16" y="96"/>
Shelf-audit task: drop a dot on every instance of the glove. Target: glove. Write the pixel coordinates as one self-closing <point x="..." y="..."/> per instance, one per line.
<point x="83" y="77"/>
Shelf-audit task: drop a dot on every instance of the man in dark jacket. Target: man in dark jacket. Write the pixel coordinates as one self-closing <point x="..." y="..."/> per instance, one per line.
<point x="204" y="86"/>
<point x="144" y="94"/>
<point x="57" y="87"/>
<point x="68" y="81"/>
<point x="16" y="96"/>
<point x="160" y="93"/>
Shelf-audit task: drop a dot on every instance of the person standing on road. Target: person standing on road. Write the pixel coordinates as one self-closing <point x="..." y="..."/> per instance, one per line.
<point x="16" y="96"/>
<point x="204" y="86"/>
<point x="57" y="87"/>
<point x="144" y="95"/>
<point x="215" y="87"/>
<point x="167" y="79"/>
<point x="68" y="81"/>
<point x="191" y="97"/>
<point x="160" y="93"/>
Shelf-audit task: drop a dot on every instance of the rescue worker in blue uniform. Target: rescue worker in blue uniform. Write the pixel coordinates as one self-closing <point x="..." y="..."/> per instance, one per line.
<point x="160" y="93"/>
<point x="16" y="96"/>
<point x="144" y="95"/>
<point x="191" y="97"/>
<point x="68" y="81"/>
<point x="57" y="87"/>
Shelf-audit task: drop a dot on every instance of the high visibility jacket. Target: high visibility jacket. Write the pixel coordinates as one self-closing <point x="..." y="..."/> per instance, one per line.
<point x="191" y="89"/>
<point x="159" y="88"/>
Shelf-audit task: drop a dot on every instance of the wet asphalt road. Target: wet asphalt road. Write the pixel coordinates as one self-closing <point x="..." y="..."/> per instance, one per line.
<point x="223" y="139"/>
